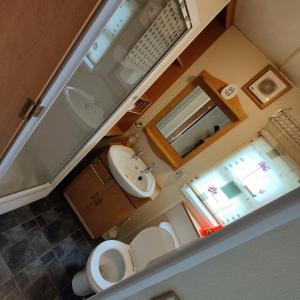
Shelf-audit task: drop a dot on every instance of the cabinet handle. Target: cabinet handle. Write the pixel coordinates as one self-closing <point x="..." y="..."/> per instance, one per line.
<point x="94" y="196"/>
<point x="98" y="201"/>
<point x="30" y="109"/>
<point x="96" y="173"/>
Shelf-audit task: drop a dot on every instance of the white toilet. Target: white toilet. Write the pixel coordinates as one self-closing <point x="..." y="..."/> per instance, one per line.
<point x="112" y="261"/>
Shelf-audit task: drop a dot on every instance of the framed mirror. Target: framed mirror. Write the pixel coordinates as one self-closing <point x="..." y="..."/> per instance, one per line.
<point x="193" y="120"/>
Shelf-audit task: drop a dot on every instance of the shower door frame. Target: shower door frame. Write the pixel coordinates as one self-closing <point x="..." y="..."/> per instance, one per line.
<point x="99" y="21"/>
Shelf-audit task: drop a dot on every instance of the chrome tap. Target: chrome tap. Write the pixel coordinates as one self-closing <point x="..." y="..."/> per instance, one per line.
<point x="149" y="169"/>
<point x="137" y="154"/>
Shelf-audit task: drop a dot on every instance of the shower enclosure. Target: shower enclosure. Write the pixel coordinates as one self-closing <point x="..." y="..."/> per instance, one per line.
<point x="127" y="41"/>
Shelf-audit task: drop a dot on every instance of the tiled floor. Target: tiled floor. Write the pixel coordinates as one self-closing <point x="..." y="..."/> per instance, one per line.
<point x="42" y="246"/>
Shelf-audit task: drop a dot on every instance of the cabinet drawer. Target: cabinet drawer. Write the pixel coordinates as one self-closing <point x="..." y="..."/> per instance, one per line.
<point x="107" y="210"/>
<point x="88" y="185"/>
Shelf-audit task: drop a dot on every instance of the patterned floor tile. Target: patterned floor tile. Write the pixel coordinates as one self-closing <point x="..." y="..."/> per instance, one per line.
<point x="37" y="240"/>
<point x="41" y="289"/>
<point x="40" y="206"/>
<point x="64" y="247"/>
<point x="47" y="218"/>
<point x="55" y="232"/>
<point x="5" y="273"/>
<point x="58" y="274"/>
<point x="74" y="262"/>
<point x="29" y="275"/>
<point x="7" y="289"/>
<point x="47" y="257"/>
<point x="7" y="220"/>
<point x="42" y="245"/>
<point x="23" y="214"/>
<point x="11" y="236"/>
<point x="18" y="256"/>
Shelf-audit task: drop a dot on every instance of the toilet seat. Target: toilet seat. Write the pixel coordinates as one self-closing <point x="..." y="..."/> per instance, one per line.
<point x="148" y="245"/>
<point x="96" y="280"/>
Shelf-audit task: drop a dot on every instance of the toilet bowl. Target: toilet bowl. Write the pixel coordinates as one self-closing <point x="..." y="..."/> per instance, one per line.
<point x="112" y="260"/>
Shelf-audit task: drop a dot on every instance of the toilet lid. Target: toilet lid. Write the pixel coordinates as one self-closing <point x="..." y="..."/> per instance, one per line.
<point x="150" y="244"/>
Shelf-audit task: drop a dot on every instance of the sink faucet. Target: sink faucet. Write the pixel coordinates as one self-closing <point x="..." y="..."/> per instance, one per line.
<point x="137" y="154"/>
<point x="149" y="169"/>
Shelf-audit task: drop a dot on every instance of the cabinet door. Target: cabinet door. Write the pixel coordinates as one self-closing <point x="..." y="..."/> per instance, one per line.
<point x="107" y="210"/>
<point x="88" y="185"/>
<point x="35" y="37"/>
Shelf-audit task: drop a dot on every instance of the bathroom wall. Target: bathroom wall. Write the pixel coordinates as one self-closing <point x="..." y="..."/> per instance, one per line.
<point x="182" y="225"/>
<point x="273" y="26"/>
<point x="234" y="59"/>
<point x="266" y="267"/>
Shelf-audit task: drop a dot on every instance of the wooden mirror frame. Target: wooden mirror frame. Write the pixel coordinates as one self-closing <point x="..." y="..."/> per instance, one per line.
<point x="212" y="87"/>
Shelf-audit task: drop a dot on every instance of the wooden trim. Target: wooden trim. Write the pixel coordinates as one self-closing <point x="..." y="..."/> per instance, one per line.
<point x="79" y="217"/>
<point x="115" y="131"/>
<point x="261" y="105"/>
<point x="230" y="13"/>
<point x="185" y="205"/>
<point x="212" y="86"/>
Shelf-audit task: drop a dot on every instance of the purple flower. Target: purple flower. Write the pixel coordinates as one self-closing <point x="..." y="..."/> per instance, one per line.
<point x="264" y="166"/>
<point x="213" y="190"/>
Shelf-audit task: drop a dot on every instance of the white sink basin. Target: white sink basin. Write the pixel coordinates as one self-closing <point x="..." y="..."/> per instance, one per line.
<point x="84" y="106"/>
<point x="128" y="172"/>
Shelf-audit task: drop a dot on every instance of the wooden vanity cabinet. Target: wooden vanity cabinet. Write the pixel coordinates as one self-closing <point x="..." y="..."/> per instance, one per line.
<point x="85" y="188"/>
<point x="108" y="209"/>
<point x="97" y="199"/>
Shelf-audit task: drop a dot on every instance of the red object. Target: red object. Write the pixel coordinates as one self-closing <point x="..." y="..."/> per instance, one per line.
<point x="210" y="230"/>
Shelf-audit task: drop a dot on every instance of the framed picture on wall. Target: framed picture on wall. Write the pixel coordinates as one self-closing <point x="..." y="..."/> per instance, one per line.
<point x="267" y="86"/>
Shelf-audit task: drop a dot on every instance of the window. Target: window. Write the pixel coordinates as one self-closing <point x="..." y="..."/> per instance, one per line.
<point x="250" y="178"/>
<point x="114" y="27"/>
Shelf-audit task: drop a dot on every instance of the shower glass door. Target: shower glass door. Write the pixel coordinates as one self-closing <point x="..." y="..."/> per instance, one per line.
<point x="134" y="40"/>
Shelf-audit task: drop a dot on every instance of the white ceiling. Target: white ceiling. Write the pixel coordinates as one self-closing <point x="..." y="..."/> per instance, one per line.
<point x="274" y="27"/>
